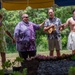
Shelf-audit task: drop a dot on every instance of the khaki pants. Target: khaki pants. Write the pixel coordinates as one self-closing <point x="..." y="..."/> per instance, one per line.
<point x="55" y="43"/>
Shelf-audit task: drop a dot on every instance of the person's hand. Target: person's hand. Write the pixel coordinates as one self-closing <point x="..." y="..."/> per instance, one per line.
<point x="13" y="41"/>
<point x="52" y="25"/>
<point x="42" y="24"/>
<point x="61" y="27"/>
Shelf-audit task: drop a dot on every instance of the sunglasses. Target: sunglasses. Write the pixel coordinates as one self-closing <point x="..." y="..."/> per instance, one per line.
<point x="26" y="17"/>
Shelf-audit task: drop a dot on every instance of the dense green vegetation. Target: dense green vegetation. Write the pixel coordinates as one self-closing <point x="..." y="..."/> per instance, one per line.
<point x="11" y="18"/>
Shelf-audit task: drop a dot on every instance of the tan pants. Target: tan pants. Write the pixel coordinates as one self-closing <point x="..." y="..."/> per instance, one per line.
<point x="54" y="43"/>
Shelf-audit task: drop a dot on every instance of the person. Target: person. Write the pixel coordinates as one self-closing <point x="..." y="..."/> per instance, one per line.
<point x="71" y="37"/>
<point x="24" y="35"/>
<point x="51" y="26"/>
<point x="3" y="30"/>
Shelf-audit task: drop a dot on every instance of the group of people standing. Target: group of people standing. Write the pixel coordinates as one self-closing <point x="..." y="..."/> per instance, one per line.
<point x="25" y="34"/>
<point x="52" y="26"/>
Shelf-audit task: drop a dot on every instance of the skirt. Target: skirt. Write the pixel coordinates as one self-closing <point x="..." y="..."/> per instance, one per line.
<point x="71" y="41"/>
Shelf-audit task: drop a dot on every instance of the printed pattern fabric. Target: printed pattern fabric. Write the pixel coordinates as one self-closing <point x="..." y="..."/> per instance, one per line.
<point x="57" y="23"/>
<point x="32" y="30"/>
<point x="71" y="41"/>
<point x="2" y="39"/>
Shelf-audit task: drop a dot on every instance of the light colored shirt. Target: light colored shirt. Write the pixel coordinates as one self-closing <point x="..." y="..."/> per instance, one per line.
<point x="22" y="26"/>
<point x="57" y="23"/>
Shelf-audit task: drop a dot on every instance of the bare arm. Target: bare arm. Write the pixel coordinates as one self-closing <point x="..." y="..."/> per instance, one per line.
<point x="42" y="24"/>
<point x="48" y="27"/>
<point x="8" y="33"/>
<point x="64" y="25"/>
<point x="67" y="23"/>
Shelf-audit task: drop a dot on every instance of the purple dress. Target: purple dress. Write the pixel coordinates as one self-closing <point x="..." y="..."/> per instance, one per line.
<point x="22" y="27"/>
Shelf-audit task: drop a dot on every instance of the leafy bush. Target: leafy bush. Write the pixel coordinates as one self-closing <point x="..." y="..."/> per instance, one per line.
<point x="17" y="61"/>
<point x="72" y="71"/>
<point x="23" y="73"/>
<point x="11" y="18"/>
<point x="43" y="43"/>
<point x="73" y="57"/>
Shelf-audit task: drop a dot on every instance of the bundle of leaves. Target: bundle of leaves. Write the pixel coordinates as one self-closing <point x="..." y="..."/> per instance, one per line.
<point x="7" y="64"/>
<point x="73" y="57"/>
<point x="17" y="61"/>
<point x="71" y="71"/>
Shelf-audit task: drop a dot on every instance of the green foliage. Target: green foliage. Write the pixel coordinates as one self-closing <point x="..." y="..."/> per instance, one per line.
<point x="6" y="65"/>
<point x="73" y="57"/>
<point x="71" y="71"/>
<point x="24" y="71"/>
<point x="15" y="72"/>
<point x="43" y="45"/>
<point x="17" y="60"/>
<point x="18" y="73"/>
<point x="63" y="13"/>
<point x="1" y="72"/>
<point x="11" y="18"/>
<point x="64" y="42"/>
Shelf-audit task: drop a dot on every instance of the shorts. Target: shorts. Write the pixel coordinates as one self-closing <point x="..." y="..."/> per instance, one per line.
<point x="55" y="44"/>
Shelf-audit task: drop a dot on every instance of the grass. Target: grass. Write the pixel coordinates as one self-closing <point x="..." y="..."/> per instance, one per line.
<point x="12" y="56"/>
<point x="47" y="52"/>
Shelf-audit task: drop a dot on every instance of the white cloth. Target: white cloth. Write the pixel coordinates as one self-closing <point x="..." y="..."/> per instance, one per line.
<point x="71" y="41"/>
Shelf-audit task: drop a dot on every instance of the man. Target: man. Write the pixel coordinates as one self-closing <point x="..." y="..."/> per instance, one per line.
<point x="52" y="28"/>
<point x="25" y="31"/>
<point x="71" y="37"/>
<point x="2" y="40"/>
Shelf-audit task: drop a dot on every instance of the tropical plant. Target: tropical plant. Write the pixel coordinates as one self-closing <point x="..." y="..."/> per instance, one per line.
<point x="71" y="71"/>
<point x="73" y="57"/>
<point x="17" y="61"/>
<point x="11" y="18"/>
<point x="7" y="64"/>
<point x="19" y="73"/>
<point x="5" y="68"/>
